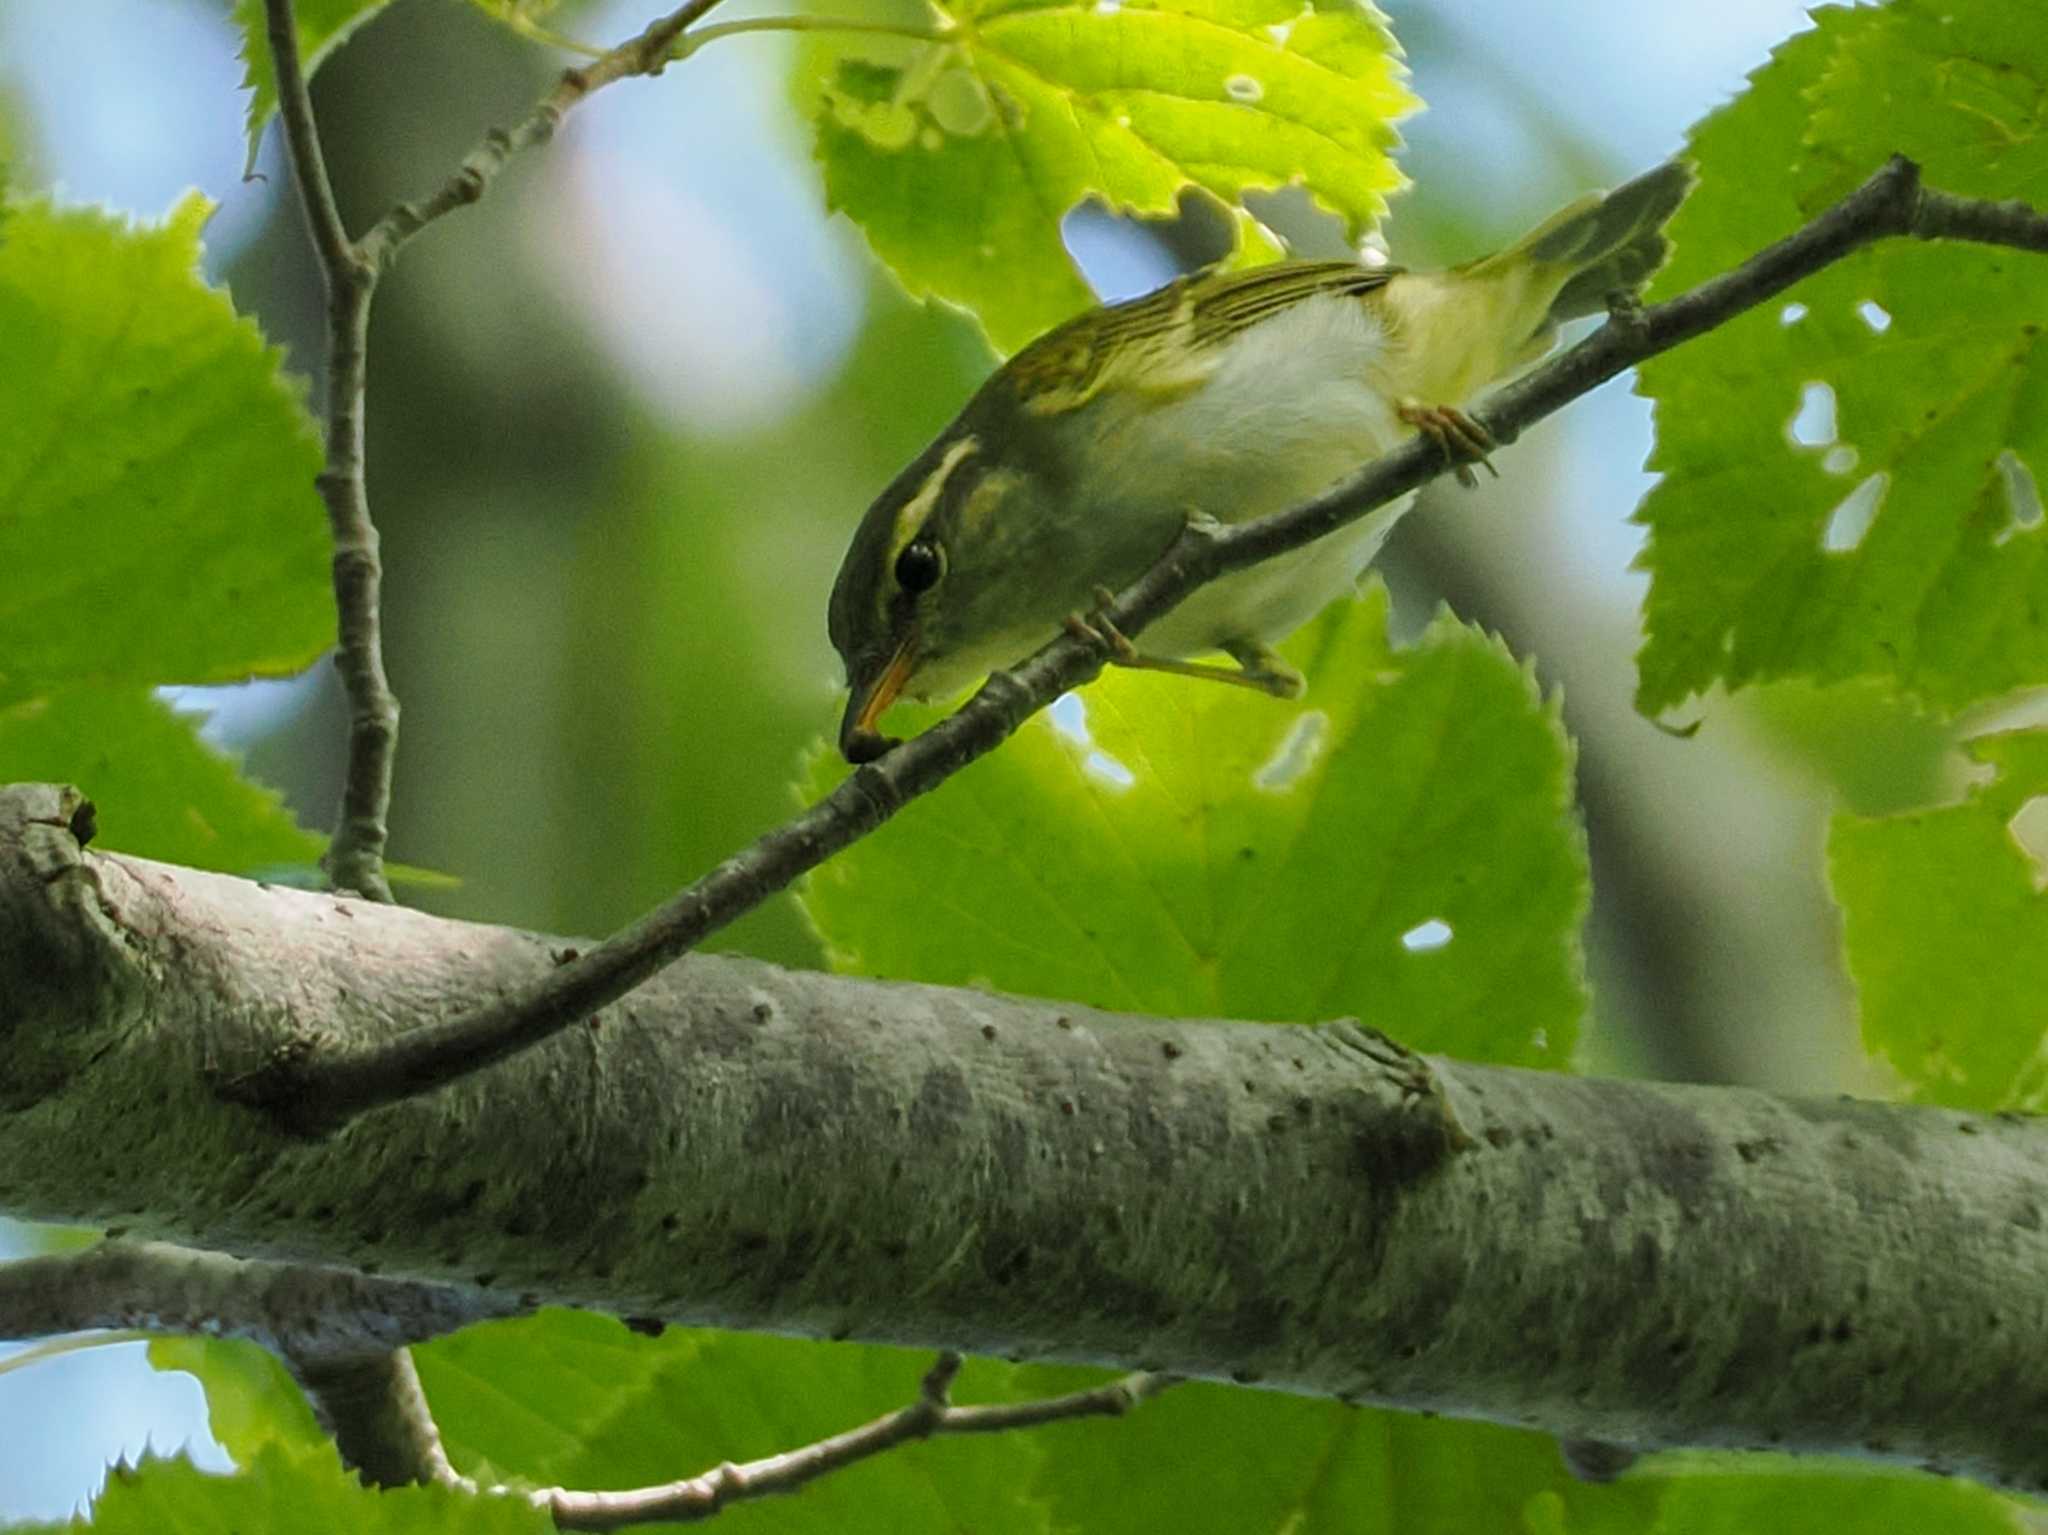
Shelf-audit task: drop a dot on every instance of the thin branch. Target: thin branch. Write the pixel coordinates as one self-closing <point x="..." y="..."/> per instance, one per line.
<point x="923" y="33"/>
<point x="929" y="1417"/>
<point x="342" y="1334"/>
<point x="377" y="1412"/>
<point x="302" y="139"/>
<point x="355" y="858"/>
<point x="1942" y="216"/>
<point x="297" y="1311"/>
<point x="72" y="1343"/>
<point x="646" y="54"/>
<point x="313" y="1090"/>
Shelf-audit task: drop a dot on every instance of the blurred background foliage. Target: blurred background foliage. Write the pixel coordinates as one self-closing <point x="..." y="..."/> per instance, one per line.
<point x="625" y="413"/>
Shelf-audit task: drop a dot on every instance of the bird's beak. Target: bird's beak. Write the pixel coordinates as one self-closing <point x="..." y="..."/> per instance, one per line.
<point x="859" y="741"/>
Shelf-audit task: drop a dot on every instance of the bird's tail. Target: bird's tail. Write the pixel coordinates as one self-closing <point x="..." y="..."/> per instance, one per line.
<point x="1604" y="243"/>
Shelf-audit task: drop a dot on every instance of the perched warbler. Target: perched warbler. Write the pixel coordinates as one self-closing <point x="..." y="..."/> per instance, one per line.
<point x="1229" y="395"/>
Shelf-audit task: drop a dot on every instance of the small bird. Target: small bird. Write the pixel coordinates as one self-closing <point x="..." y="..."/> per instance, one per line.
<point x="1227" y="395"/>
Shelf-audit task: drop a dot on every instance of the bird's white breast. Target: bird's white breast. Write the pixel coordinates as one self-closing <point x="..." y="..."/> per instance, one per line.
<point x="1292" y="405"/>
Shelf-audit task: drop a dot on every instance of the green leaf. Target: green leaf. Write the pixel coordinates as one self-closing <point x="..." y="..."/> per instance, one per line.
<point x="1214" y="1458"/>
<point x="495" y="1425"/>
<point x="1264" y="860"/>
<point x="161" y="791"/>
<point x="959" y="157"/>
<point x="281" y="1491"/>
<point x="252" y="1402"/>
<point x="158" y="521"/>
<point x="1726" y="1496"/>
<point x="622" y="1410"/>
<point x="1945" y="922"/>
<point x="1764" y="561"/>
<point x="323" y="26"/>
<point x="1876" y="751"/>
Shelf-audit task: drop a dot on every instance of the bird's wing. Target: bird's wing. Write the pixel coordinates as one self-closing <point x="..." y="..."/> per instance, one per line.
<point x="1165" y="344"/>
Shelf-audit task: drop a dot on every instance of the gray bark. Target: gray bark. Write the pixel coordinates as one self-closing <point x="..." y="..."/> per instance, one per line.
<point x="1312" y="1209"/>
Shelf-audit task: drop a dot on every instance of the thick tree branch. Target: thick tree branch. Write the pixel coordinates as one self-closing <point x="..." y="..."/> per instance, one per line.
<point x="1313" y="1209"/>
<point x="296" y="1311"/>
<point x="342" y="1334"/>
<point x="313" y="1088"/>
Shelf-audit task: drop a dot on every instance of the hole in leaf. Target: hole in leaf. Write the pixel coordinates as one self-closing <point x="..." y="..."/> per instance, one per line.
<point x="1108" y="7"/>
<point x="1841" y="458"/>
<point x="1296" y="754"/>
<point x="1069" y="717"/>
<point x="2029" y="831"/>
<point x="1243" y="88"/>
<point x="1813" y="424"/>
<point x="1124" y="257"/>
<point x="1105" y="767"/>
<point x="2022" y="496"/>
<point x="1852" y="517"/>
<point x="1875" y="315"/>
<point x="1425" y="937"/>
<point x="1791" y="314"/>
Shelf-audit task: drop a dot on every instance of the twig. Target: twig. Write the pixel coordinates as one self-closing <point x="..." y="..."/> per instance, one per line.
<point x="376" y="1410"/>
<point x="647" y="54"/>
<point x="929" y="33"/>
<point x="930" y="1416"/>
<point x="355" y="857"/>
<point x="313" y="1091"/>
<point x="302" y="139"/>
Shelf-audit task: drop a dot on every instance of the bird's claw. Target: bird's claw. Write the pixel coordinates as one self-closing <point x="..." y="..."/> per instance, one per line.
<point x="1098" y="629"/>
<point x="1462" y="441"/>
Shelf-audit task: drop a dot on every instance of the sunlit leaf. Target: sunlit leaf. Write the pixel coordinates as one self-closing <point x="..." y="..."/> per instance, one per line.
<point x="1400" y="846"/>
<point x="157" y="515"/>
<point x="1851" y="477"/>
<point x="251" y="1400"/>
<point x="1726" y="1497"/>
<point x="1215" y="1458"/>
<point x="959" y="157"/>
<point x="283" y="1491"/>
<point x="161" y="792"/>
<point x="1945" y="920"/>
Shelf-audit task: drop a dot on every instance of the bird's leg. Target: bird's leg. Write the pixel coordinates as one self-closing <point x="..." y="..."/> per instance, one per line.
<point x="1260" y="667"/>
<point x="1257" y="667"/>
<point x="1463" y="441"/>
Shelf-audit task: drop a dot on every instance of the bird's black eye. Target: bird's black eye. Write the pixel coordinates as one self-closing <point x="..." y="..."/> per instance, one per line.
<point x="919" y="566"/>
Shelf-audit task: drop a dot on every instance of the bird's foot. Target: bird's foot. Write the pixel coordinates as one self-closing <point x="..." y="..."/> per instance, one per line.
<point x="1260" y="666"/>
<point x="1462" y="441"/>
<point x="1098" y="629"/>
<point x="1257" y="667"/>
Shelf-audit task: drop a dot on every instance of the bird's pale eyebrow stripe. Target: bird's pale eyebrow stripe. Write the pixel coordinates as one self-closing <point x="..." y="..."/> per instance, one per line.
<point x="911" y="519"/>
